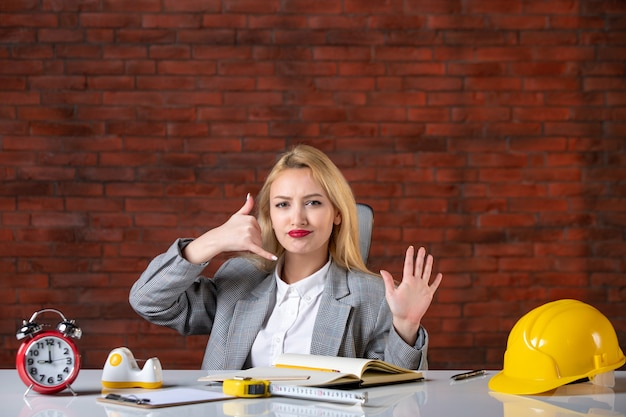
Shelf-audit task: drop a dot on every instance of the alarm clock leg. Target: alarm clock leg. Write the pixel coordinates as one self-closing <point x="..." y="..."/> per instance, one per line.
<point x="28" y="390"/>
<point x="69" y="387"/>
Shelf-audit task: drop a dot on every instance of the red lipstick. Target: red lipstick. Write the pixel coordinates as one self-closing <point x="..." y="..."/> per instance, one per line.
<point x="298" y="233"/>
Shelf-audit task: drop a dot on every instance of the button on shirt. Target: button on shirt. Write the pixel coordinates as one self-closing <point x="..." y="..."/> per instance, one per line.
<point x="289" y="328"/>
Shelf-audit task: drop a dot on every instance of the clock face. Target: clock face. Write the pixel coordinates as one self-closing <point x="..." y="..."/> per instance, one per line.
<point x="49" y="362"/>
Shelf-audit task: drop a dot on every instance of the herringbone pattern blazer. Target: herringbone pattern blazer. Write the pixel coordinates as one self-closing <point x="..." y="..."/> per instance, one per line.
<point x="353" y="319"/>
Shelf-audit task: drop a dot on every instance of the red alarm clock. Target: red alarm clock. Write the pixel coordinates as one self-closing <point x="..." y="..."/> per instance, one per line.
<point x="48" y="361"/>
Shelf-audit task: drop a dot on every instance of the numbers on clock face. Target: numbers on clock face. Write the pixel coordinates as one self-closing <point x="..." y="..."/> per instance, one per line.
<point x="49" y="361"/>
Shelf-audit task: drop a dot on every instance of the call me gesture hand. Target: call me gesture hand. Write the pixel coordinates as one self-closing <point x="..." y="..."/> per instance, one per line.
<point x="409" y="300"/>
<point x="241" y="233"/>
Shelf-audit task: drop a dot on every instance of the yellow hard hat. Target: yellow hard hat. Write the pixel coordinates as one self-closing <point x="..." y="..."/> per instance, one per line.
<point x="555" y="344"/>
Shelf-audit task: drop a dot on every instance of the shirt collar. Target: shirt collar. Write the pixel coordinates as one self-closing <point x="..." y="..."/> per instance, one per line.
<point x="313" y="285"/>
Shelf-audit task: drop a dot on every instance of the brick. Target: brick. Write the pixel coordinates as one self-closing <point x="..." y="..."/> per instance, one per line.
<point x="19" y="5"/>
<point x="19" y="98"/>
<point x="287" y="22"/>
<point x="517" y="21"/>
<point x="109" y="20"/>
<point x="433" y="7"/>
<point x="603" y="83"/>
<point x="185" y="68"/>
<point x="573" y="129"/>
<point x="493" y="83"/>
<point x="46" y="113"/>
<point x="454" y="130"/>
<point x="191" y="6"/>
<point x="252" y="98"/>
<point x="481" y="114"/>
<point x="551" y="83"/>
<point x="429" y="114"/>
<point x="389" y="83"/>
<point x="28" y="20"/>
<point x="378" y="113"/>
<point x="17" y="35"/>
<point x="407" y="131"/>
<point x="171" y="21"/>
<point x="70" y="97"/>
<point x="476" y="37"/>
<point x="204" y="36"/>
<point x="508" y="53"/>
<point x="507" y="220"/>
<point x="372" y="7"/>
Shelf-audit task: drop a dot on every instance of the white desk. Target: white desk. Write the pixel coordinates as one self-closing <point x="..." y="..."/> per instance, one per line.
<point x="436" y="397"/>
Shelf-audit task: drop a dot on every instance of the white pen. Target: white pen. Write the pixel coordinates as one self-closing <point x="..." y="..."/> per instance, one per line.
<point x="466" y="375"/>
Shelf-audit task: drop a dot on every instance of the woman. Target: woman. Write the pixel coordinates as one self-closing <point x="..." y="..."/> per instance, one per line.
<point x="305" y="288"/>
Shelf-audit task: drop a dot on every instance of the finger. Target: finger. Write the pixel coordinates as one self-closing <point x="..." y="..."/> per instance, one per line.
<point x="419" y="261"/>
<point x="390" y="285"/>
<point x="263" y="253"/>
<point x="428" y="268"/>
<point x="255" y="245"/>
<point x="247" y="206"/>
<point x="436" y="282"/>
<point x="408" y="262"/>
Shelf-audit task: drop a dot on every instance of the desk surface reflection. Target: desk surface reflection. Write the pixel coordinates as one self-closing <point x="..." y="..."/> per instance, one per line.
<point x="436" y="396"/>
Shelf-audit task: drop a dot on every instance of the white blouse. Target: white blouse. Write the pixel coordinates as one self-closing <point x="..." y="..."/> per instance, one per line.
<point x="289" y="328"/>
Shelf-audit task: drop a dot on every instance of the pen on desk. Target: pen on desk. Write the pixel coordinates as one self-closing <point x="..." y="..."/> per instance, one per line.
<point x="129" y="399"/>
<point x="306" y="368"/>
<point x="466" y="375"/>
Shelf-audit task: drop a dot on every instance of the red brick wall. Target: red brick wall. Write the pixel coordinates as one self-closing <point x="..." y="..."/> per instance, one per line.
<point x="493" y="132"/>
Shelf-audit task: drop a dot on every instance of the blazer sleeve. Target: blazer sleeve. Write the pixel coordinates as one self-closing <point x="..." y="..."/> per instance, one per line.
<point x="411" y="357"/>
<point x="396" y="350"/>
<point x="370" y="332"/>
<point x="171" y="292"/>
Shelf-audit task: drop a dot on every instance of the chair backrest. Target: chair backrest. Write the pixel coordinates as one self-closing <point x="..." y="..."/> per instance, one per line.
<point x="365" y="215"/>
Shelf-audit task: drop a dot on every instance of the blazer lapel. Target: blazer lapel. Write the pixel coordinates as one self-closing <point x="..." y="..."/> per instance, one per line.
<point x="248" y="317"/>
<point x="332" y="317"/>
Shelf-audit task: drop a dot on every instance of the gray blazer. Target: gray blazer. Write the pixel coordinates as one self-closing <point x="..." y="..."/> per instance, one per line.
<point x="353" y="320"/>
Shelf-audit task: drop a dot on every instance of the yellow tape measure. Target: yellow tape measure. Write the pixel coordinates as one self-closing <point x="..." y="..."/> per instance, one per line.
<point x="246" y="387"/>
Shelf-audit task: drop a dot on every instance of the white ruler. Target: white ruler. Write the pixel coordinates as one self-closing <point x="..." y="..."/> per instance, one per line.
<point x="320" y="394"/>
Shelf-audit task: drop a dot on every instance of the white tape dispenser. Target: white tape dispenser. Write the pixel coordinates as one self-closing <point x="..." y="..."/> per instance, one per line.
<point x="121" y="371"/>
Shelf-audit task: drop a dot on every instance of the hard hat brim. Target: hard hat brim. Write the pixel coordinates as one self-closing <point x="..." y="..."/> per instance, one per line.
<point x="500" y="382"/>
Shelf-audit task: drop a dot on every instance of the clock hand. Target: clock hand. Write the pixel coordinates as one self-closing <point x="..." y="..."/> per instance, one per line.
<point x="52" y="360"/>
<point x="49" y="358"/>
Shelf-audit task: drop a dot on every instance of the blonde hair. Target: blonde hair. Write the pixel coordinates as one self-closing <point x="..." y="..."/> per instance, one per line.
<point x="344" y="239"/>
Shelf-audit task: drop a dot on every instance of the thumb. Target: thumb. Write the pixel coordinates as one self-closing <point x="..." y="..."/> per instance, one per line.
<point x="247" y="206"/>
<point x="390" y="284"/>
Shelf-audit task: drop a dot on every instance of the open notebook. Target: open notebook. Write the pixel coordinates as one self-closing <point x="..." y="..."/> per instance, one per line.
<point x="320" y="371"/>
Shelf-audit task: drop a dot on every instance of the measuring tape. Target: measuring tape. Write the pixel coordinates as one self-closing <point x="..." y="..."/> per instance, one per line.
<point x="246" y="387"/>
<point x="255" y="388"/>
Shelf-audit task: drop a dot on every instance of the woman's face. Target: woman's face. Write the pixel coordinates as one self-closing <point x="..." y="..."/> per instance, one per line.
<point x="301" y="213"/>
